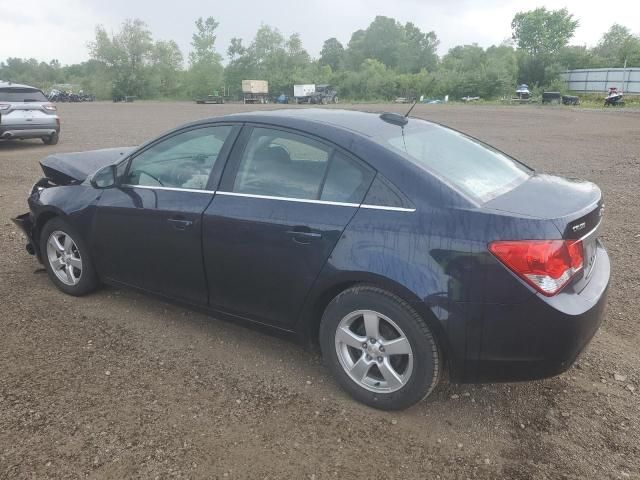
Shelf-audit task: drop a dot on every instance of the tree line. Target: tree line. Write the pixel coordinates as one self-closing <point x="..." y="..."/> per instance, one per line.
<point x="386" y="60"/>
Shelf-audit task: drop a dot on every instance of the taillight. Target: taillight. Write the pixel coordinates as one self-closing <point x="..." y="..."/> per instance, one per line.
<point x="547" y="265"/>
<point x="50" y="107"/>
<point x="4" y="106"/>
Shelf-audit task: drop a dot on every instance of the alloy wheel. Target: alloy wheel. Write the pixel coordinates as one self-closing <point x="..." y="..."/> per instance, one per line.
<point x="64" y="257"/>
<point x="374" y="351"/>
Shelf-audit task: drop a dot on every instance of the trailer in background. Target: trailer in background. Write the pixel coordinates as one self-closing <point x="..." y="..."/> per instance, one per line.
<point x="316" y="94"/>
<point x="303" y="93"/>
<point x="255" y="91"/>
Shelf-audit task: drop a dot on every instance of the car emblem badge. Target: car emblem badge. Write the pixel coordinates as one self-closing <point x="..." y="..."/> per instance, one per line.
<point x="579" y="226"/>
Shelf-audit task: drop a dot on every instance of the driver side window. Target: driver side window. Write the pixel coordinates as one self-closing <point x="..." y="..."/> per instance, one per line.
<point x="184" y="160"/>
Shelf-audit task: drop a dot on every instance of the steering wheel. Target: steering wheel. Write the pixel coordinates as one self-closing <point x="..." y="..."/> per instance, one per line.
<point x="138" y="172"/>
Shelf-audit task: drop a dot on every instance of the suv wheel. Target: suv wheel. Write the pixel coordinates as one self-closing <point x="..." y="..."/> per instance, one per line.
<point x="66" y="258"/>
<point x="51" y="139"/>
<point x="379" y="349"/>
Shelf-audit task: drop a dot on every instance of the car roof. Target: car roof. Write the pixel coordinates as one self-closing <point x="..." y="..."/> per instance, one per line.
<point x="360" y="133"/>
<point x="363" y="123"/>
<point x="5" y="84"/>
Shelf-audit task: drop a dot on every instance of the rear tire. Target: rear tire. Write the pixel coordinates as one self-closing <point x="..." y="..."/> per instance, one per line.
<point x="379" y="349"/>
<point x="51" y="139"/>
<point x="66" y="258"/>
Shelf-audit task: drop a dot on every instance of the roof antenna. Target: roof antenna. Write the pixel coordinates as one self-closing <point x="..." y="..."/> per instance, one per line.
<point x="414" y="104"/>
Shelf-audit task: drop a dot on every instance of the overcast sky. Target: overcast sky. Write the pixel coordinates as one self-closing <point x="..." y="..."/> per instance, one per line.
<point x="47" y="29"/>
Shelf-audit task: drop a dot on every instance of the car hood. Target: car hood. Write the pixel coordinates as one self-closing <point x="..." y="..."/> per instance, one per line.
<point x="64" y="168"/>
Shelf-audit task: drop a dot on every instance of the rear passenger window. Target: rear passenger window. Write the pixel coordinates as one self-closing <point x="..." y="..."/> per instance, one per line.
<point x="347" y="180"/>
<point x="282" y="164"/>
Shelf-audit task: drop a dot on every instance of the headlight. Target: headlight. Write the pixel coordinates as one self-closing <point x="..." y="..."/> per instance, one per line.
<point x="37" y="187"/>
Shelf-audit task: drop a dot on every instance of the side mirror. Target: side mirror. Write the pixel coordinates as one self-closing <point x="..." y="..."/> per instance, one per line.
<point x="105" y="177"/>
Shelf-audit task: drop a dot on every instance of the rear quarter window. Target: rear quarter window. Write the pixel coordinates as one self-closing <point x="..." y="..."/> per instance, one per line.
<point x="477" y="170"/>
<point x="21" y="94"/>
<point x="347" y="180"/>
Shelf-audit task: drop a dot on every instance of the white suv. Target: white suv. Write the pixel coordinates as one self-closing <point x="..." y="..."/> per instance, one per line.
<point x="25" y="112"/>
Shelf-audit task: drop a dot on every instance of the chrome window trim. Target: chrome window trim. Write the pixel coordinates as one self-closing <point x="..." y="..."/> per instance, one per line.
<point x="384" y="207"/>
<point x="269" y="197"/>
<point x="173" y="189"/>
<point x="289" y="199"/>
<point x="320" y="202"/>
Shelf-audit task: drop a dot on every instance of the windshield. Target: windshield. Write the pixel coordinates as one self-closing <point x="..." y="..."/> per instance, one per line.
<point x="478" y="170"/>
<point x="21" y="94"/>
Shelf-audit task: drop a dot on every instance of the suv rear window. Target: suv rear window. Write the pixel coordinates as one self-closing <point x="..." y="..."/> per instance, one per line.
<point x="21" y="94"/>
<point x="476" y="169"/>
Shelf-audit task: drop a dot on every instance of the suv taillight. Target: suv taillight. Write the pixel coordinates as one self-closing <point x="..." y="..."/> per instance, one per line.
<point x="50" y="107"/>
<point x="546" y="265"/>
<point x="4" y="106"/>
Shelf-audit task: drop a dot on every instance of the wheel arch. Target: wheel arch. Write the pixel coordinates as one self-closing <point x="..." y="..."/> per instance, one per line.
<point x="317" y="301"/>
<point x="41" y="220"/>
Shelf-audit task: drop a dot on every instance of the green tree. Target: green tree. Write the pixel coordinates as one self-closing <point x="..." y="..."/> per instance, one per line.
<point x="404" y="48"/>
<point x="542" y="31"/>
<point x="298" y="57"/>
<point x="235" y="49"/>
<point x="332" y="54"/>
<point x="418" y="50"/>
<point x="126" y="55"/>
<point x="540" y="34"/>
<point x="578" y="56"/>
<point x="167" y="61"/>
<point x="205" y="64"/>
<point x="355" y="53"/>
<point x="618" y="46"/>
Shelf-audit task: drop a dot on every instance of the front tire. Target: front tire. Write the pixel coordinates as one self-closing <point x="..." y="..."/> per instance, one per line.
<point x="66" y="258"/>
<point x="379" y="349"/>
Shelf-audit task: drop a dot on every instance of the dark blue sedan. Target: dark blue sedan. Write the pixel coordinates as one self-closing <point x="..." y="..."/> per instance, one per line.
<point x="400" y="246"/>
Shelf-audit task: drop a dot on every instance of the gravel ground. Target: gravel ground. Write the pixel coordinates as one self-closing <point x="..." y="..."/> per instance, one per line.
<point x="118" y="385"/>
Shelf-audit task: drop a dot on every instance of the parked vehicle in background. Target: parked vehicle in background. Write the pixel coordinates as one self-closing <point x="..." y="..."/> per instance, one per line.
<point x="315" y="94"/>
<point x="124" y="98"/>
<point x="302" y="93"/>
<point x="255" y="91"/>
<point x="551" y="97"/>
<point x="570" y="100"/>
<point x="25" y="112"/>
<point x="282" y="99"/>
<point x="324" y="94"/>
<point x="522" y="93"/>
<point x="57" y="95"/>
<point x="614" y="98"/>
<point x="211" y="99"/>
<point x="401" y="246"/>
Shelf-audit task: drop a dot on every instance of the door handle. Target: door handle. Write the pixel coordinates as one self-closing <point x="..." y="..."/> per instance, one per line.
<point x="303" y="235"/>
<point x="180" y="223"/>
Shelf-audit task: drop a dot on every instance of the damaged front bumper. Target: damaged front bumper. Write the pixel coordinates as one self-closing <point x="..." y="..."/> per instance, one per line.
<point x="25" y="222"/>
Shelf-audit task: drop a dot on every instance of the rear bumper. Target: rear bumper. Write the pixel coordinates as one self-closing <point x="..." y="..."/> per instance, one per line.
<point x="537" y="339"/>
<point x="12" y="132"/>
<point x="25" y="222"/>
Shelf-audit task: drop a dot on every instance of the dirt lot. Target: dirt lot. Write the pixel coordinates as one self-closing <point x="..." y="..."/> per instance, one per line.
<point x="117" y="385"/>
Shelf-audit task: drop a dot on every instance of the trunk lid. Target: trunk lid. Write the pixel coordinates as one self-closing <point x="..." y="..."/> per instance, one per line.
<point x="64" y="168"/>
<point x="574" y="206"/>
<point x="568" y="202"/>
